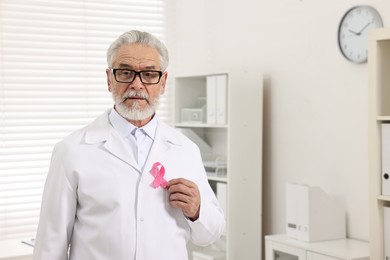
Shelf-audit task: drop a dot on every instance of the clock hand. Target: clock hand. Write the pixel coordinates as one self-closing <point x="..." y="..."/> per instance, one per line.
<point x="363" y="28"/>
<point x="353" y="32"/>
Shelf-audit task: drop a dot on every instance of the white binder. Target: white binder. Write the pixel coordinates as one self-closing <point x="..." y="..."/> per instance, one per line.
<point x="222" y="196"/>
<point x="386" y="231"/>
<point x="211" y="91"/>
<point x="385" y="156"/>
<point x="221" y="99"/>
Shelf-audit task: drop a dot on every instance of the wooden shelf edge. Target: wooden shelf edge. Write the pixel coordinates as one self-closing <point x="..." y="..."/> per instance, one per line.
<point x="383" y="198"/>
<point x="379" y="34"/>
<point x="383" y="118"/>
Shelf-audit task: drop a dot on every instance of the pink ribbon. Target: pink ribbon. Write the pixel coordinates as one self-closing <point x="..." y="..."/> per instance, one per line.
<point x="158" y="172"/>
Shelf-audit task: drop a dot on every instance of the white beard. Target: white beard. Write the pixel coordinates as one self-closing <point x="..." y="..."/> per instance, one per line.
<point x="135" y="112"/>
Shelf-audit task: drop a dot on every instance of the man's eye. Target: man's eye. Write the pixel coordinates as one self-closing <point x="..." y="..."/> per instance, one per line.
<point x="150" y="74"/>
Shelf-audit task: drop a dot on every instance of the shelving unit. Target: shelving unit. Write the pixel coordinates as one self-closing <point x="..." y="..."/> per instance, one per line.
<point x="379" y="112"/>
<point x="239" y="141"/>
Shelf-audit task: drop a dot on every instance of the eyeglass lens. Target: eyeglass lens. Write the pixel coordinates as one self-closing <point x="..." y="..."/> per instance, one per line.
<point x="128" y="76"/>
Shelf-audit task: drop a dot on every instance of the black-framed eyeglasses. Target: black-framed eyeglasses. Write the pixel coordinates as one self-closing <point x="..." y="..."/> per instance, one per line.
<point x="148" y="77"/>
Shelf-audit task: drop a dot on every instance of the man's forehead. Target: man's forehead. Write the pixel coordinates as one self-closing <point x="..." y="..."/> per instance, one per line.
<point x="133" y="64"/>
<point x="137" y="54"/>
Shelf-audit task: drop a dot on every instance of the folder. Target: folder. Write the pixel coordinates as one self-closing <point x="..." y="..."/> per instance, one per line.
<point x="211" y="91"/>
<point x="221" y="99"/>
<point x="204" y="147"/>
<point x="222" y="196"/>
<point x="385" y="156"/>
<point x="386" y="231"/>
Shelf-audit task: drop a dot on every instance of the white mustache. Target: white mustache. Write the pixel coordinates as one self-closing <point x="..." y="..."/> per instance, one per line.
<point x="132" y="94"/>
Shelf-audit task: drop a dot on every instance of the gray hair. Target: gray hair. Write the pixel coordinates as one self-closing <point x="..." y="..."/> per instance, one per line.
<point x="138" y="37"/>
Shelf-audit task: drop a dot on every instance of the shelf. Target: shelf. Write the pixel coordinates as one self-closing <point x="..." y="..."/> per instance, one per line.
<point x="379" y="112"/>
<point x="197" y="125"/>
<point x="238" y="171"/>
<point x="383" y="198"/>
<point x="217" y="178"/>
<point x="216" y="170"/>
<point x="380" y="34"/>
<point x="383" y="118"/>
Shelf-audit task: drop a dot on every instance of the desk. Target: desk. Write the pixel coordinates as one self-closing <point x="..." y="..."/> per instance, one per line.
<point x="15" y="250"/>
<point x="280" y="247"/>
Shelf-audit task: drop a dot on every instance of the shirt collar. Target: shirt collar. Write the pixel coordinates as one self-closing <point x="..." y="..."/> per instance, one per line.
<point x="124" y="127"/>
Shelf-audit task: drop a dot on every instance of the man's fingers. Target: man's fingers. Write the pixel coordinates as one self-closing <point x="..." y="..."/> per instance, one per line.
<point x="184" y="194"/>
<point x="181" y="181"/>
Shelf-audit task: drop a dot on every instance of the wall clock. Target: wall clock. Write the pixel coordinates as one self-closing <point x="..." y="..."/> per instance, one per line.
<point x="353" y="32"/>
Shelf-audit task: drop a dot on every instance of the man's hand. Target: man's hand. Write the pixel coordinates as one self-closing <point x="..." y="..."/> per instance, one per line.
<point x="184" y="194"/>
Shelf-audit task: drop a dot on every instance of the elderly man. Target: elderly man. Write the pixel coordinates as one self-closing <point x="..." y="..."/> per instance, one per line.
<point x="128" y="186"/>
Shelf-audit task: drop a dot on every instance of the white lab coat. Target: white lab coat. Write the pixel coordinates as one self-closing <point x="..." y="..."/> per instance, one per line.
<point x="97" y="200"/>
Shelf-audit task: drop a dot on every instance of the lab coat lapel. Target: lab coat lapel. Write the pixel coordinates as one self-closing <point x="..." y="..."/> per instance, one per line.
<point x="101" y="131"/>
<point x="164" y="144"/>
<point x="116" y="146"/>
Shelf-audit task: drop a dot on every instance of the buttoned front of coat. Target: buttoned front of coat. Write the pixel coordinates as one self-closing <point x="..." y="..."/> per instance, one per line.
<point x="98" y="201"/>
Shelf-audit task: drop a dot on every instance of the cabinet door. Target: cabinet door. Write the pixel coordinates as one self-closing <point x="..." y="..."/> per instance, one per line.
<point x="279" y="251"/>
<point x="315" y="256"/>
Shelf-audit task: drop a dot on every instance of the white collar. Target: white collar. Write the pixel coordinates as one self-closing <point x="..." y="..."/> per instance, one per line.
<point x="124" y="127"/>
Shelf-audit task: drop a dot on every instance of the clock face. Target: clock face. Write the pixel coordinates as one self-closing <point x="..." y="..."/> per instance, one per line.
<point x="353" y="32"/>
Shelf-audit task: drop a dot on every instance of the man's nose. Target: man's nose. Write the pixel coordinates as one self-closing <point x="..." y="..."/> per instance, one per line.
<point x="137" y="83"/>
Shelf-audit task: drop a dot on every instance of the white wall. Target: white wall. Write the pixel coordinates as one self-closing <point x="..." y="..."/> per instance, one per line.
<point x="315" y="128"/>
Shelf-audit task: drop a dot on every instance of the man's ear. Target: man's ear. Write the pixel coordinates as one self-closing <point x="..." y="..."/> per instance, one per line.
<point x="108" y="74"/>
<point x="163" y="82"/>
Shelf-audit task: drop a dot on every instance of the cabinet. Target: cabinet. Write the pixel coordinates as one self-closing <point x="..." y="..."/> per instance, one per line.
<point x="379" y="112"/>
<point x="234" y="147"/>
<point x="281" y="247"/>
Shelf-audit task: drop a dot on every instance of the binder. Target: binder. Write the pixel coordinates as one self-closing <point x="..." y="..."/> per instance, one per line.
<point x="211" y="91"/>
<point x="386" y="231"/>
<point x="385" y="156"/>
<point x="221" y="99"/>
<point x="222" y="198"/>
